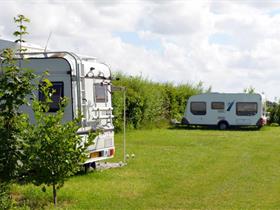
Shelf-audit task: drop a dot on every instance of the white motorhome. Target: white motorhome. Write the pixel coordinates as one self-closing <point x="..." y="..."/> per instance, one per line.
<point x="225" y="110"/>
<point x="87" y="83"/>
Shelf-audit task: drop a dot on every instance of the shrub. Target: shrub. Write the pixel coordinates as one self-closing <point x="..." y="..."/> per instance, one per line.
<point x="150" y="104"/>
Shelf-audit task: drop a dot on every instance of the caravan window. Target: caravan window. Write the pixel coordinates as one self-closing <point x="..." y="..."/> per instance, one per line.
<point x="198" y="108"/>
<point x="101" y="93"/>
<point x="56" y="97"/>
<point x="246" y="108"/>
<point x="218" y="105"/>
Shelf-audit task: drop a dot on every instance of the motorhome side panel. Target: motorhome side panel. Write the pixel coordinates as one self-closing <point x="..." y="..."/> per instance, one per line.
<point x="59" y="73"/>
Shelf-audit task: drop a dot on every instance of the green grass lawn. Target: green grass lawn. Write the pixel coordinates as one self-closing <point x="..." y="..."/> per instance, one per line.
<point x="178" y="169"/>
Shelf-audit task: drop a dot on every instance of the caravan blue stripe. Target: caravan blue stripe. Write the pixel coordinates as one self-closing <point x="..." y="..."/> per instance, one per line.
<point x="230" y="106"/>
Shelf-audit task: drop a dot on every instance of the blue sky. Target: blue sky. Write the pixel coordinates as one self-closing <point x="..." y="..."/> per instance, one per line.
<point x="274" y="12"/>
<point x="131" y="37"/>
<point x="221" y="38"/>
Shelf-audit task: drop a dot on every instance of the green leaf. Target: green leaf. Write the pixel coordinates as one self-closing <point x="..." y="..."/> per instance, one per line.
<point x="17" y="33"/>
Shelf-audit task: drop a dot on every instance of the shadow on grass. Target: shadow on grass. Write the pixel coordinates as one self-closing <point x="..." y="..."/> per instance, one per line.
<point x="25" y="202"/>
<point x="22" y="201"/>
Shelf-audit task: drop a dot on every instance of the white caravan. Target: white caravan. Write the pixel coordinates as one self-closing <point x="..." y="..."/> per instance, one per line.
<point x="225" y="110"/>
<point x="87" y="83"/>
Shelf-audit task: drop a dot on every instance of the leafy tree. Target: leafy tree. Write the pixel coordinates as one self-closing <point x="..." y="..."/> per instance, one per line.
<point x="55" y="150"/>
<point x="15" y="85"/>
<point x="21" y="20"/>
<point x="249" y="90"/>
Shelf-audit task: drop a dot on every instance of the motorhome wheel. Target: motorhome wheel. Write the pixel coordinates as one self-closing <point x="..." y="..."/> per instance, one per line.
<point x="223" y="125"/>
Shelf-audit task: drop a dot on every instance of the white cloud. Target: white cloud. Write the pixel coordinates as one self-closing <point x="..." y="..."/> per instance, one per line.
<point x="182" y="29"/>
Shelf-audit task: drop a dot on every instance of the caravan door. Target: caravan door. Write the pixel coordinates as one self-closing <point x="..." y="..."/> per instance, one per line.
<point x="198" y="112"/>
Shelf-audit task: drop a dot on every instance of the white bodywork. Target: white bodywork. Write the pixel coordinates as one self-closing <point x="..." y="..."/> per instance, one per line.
<point x="230" y="109"/>
<point x="87" y="84"/>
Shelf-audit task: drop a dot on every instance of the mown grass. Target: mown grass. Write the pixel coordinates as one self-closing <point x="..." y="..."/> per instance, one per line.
<point x="178" y="169"/>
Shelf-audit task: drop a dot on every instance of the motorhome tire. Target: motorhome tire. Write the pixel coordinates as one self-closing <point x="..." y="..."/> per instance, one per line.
<point x="93" y="165"/>
<point x="223" y="125"/>
<point x="87" y="167"/>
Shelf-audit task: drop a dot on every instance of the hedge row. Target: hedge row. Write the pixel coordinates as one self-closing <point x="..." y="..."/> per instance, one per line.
<point x="150" y="104"/>
<point x="274" y="109"/>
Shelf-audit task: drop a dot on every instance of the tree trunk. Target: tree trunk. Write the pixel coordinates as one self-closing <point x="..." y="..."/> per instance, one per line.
<point x="54" y="195"/>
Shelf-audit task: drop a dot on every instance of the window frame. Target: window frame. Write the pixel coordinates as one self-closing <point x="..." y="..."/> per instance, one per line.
<point x="100" y="100"/>
<point x="217" y="102"/>
<point x="54" y="103"/>
<point x="246" y="113"/>
<point x="203" y="112"/>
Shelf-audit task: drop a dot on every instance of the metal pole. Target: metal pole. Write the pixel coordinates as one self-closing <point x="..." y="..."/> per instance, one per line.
<point x="124" y="122"/>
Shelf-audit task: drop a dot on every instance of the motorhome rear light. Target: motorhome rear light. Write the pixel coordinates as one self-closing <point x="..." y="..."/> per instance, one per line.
<point x="111" y="152"/>
<point x="95" y="154"/>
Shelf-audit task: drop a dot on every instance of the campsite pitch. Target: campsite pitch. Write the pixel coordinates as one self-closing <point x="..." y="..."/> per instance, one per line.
<point x="177" y="169"/>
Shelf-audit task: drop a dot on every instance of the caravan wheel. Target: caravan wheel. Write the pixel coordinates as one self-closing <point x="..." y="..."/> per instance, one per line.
<point x="223" y="125"/>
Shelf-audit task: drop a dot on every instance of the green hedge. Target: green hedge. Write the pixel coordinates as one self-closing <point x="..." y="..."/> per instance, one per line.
<point x="274" y="109"/>
<point x="150" y="104"/>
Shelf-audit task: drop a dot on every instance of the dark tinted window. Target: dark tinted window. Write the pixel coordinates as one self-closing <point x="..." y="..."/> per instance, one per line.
<point x="56" y="97"/>
<point x="218" y="105"/>
<point x="246" y="108"/>
<point x="101" y="93"/>
<point x="198" y="108"/>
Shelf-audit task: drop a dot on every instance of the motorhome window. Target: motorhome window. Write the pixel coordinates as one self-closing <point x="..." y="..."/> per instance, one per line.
<point x="198" y="108"/>
<point x="218" y="105"/>
<point x="56" y="96"/>
<point x="101" y="93"/>
<point x="246" y="108"/>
